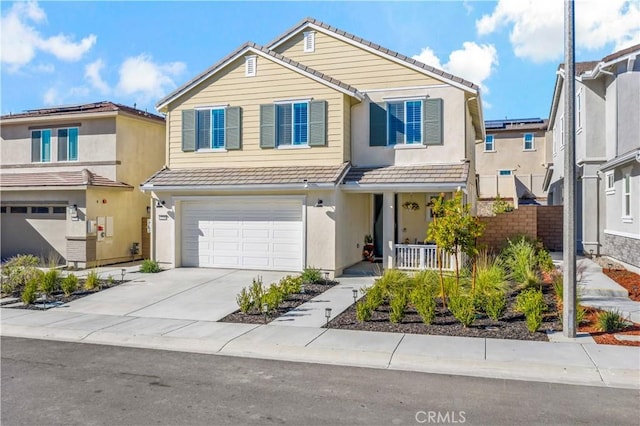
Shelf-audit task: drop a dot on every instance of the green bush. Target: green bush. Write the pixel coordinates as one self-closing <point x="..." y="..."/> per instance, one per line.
<point x="491" y="278"/>
<point x="18" y="271"/>
<point x="520" y="259"/>
<point x="92" y="281"/>
<point x="291" y="284"/>
<point x="501" y="206"/>
<point x="149" y="266"/>
<point x="531" y="303"/>
<point x="495" y="305"/>
<point x="244" y="301"/>
<point x="69" y="284"/>
<point x="393" y="281"/>
<point x="462" y="308"/>
<point x="558" y="287"/>
<point x="397" y="306"/>
<point x="609" y="321"/>
<point x="424" y="301"/>
<point x="544" y="260"/>
<point x="256" y="292"/>
<point x="375" y="297"/>
<point x="30" y="292"/>
<point x="311" y="275"/>
<point x="49" y="282"/>
<point x="273" y="297"/>
<point x="363" y="311"/>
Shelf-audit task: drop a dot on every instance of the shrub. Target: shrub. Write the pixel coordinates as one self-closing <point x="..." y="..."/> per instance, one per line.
<point x="397" y="306"/>
<point x="69" y="284"/>
<point x="311" y="275"/>
<point x="494" y="305"/>
<point x="531" y="303"/>
<point x="544" y="260"/>
<point x="92" y="281"/>
<point x="363" y="311"/>
<point x="149" y="266"/>
<point x="291" y="284"/>
<point x="49" y="282"/>
<point x="244" y="301"/>
<point x="256" y="292"/>
<point x="273" y="297"/>
<point x="462" y="308"/>
<point x="520" y="259"/>
<point x="424" y="301"/>
<point x="491" y="278"/>
<point x="501" y="206"/>
<point x="375" y="297"/>
<point x="30" y="292"/>
<point x="608" y="321"/>
<point x="558" y="287"/>
<point x="18" y="271"/>
<point x="393" y="281"/>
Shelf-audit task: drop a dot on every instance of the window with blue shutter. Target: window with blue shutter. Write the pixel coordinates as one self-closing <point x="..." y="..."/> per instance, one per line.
<point x="413" y="120"/>
<point x="300" y="124"/>
<point x="211" y="128"/>
<point x="404" y="122"/>
<point x="292" y="124"/>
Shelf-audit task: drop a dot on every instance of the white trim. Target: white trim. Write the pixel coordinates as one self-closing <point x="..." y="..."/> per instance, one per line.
<point x="211" y="149"/>
<point x="240" y="187"/>
<point x="206" y="198"/>
<point x="403" y="187"/>
<point x="247" y="66"/>
<point x="622" y="234"/>
<point x="306" y="146"/>
<point x="292" y="101"/>
<point x="375" y="52"/>
<point x="413" y="145"/>
<point x="627" y="219"/>
<point x="393" y="89"/>
<point x="493" y="143"/>
<point x="405" y="98"/>
<point x="210" y="107"/>
<point x="610" y="189"/>
<point x="626" y="176"/>
<point x="309" y="47"/>
<point x="533" y="142"/>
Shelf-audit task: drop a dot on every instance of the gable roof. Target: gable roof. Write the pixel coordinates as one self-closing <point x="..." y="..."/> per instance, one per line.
<point x="96" y="107"/>
<point x="376" y="48"/>
<point x="269" y="54"/>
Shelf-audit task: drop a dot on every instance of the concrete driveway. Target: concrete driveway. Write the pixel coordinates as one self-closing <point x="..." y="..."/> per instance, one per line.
<point x="196" y="294"/>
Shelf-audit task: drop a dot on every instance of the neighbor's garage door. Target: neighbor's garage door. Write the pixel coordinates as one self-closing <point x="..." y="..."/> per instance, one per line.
<point x="253" y="234"/>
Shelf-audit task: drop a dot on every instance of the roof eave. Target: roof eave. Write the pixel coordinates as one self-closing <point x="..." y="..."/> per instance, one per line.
<point x="148" y="187"/>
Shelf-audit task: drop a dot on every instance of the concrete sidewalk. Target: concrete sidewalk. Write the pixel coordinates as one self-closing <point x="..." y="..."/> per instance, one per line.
<point x="571" y="363"/>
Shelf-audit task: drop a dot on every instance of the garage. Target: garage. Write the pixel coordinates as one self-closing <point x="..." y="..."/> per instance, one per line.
<point x="247" y="233"/>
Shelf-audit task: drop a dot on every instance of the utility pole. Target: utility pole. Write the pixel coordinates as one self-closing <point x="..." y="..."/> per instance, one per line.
<point x="569" y="207"/>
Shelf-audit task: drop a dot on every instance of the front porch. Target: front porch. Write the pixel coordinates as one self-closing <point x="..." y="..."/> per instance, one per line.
<point x="421" y="256"/>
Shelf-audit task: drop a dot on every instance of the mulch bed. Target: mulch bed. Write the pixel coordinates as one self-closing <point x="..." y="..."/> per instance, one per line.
<point x="512" y="325"/>
<point x="627" y="279"/>
<point x="590" y="326"/>
<point x="58" y="297"/>
<point x="292" y="302"/>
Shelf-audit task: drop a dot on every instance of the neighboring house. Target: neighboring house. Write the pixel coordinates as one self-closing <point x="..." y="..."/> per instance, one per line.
<point x="607" y="154"/>
<point x="287" y="156"/>
<point x="511" y="162"/>
<point x="69" y="178"/>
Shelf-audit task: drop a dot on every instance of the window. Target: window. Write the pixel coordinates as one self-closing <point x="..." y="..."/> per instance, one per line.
<point x="250" y="65"/>
<point x="504" y="172"/>
<point x="404" y="122"/>
<point x="59" y="210"/>
<point x="555" y="138"/>
<point x="40" y="210"/>
<point x="528" y="142"/>
<point x="561" y="132"/>
<point x="488" y="144"/>
<point x="20" y="209"/>
<point x="309" y="41"/>
<point x="579" y="110"/>
<point x="3" y="209"/>
<point x="210" y="125"/>
<point x="292" y="124"/>
<point x="68" y="144"/>
<point x="41" y="146"/>
<point x="610" y="183"/>
<point x="626" y="195"/>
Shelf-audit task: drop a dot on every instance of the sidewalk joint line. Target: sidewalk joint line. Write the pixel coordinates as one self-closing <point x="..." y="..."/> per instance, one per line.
<point x="103" y="328"/>
<point x="239" y="335"/>
<point x="179" y="328"/>
<point x="77" y="314"/>
<point x="314" y="339"/>
<point x="395" y="349"/>
<point x="594" y="364"/>
<point x="176" y="294"/>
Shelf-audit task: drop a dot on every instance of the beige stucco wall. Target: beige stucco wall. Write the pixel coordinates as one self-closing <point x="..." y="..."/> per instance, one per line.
<point x="413" y="224"/>
<point x="273" y="82"/>
<point x="451" y="151"/>
<point x="353" y="221"/>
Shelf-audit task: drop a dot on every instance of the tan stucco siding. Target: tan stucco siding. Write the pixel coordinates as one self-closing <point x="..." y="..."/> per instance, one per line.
<point x="353" y="222"/>
<point x="273" y="82"/>
<point x="353" y="65"/>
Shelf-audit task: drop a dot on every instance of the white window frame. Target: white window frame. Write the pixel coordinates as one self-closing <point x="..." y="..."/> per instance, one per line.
<point x="579" y="110"/>
<point x="210" y="147"/>
<point x="626" y="197"/>
<point x="69" y="142"/>
<point x="493" y="143"/>
<point x="41" y="156"/>
<point x="609" y="182"/>
<point x="250" y="71"/>
<point x="404" y="101"/>
<point x="309" y="42"/>
<point x="562" y="132"/>
<point x="293" y="127"/>
<point x="533" y="142"/>
<point x="555" y="139"/>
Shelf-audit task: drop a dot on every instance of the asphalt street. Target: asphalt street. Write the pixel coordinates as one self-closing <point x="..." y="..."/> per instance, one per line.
<point x="50" y="382"/>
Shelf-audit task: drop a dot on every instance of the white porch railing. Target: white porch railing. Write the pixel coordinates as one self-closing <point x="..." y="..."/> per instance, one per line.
<point x="421" y="256"/>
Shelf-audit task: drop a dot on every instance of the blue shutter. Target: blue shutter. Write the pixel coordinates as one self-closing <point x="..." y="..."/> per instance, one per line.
<point x="395" y="122"/>
<point x="284" y="124"/>
<point x="318" y="123"/>
<point x="377" y="125"/>
<point x="62" y="144"/>
<point x="203" y="126"/>
<point x="433" y="127"/>
<point x="233" y="128"/>
<point x="188" y="130"/>
<point x="267" y="126"/>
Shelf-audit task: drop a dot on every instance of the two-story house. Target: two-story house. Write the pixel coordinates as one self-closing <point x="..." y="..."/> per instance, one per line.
<point x="287" y="156"/>
<point x="607" y="147"/>
<point x="512" y="160"/>
<point x="69" y="178"/>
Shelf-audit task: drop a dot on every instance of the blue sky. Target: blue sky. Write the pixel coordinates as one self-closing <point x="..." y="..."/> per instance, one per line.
<point x="56" y="53"/>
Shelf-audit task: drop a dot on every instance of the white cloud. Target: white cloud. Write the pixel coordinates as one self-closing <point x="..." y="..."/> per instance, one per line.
<point x="143" y="77"/>
<point x="44" y="68"/>
<point x="92" y="73"/>
<point x="51" y="97"/>
<point x="467" y="6"/>
<point x="537" y="26"/>
<point x="21" y="40"/>
<point x="474" y="62"/>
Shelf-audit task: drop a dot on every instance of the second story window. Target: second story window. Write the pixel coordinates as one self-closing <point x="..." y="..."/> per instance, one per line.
<point x="213" y="128"/>
<point x="210" y="125"/>
<point x="292" y="124"/>
<point x="406" y="122"/>
<point x="41" y="146"/>
<point x="488" y="144"/>
<point x="68" y="144"/>
<point x="528" y="142"/>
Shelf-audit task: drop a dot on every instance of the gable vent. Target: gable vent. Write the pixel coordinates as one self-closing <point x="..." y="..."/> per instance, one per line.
<point x="250" y="63"/>
<point x="310" y="41"/>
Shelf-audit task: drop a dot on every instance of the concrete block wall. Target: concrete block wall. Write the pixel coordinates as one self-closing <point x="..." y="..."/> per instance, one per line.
<point x="623" y="248"/>
<point x="549" y="226"/>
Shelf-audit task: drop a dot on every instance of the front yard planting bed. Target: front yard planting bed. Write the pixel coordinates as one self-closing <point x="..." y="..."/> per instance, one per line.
<point x="627" y="279"/>
<point x="292" y="301"/>
<point x="511" y="325"/>
<point x="590" y="325"/>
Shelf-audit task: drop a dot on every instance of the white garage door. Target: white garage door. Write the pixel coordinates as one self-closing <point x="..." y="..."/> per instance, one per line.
<point x="254" y="233"/>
